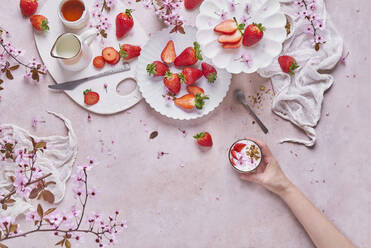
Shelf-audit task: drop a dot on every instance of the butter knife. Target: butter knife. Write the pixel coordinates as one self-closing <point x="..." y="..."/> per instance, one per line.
<point x="70" y="85"/>
<point x="240" y="96"/>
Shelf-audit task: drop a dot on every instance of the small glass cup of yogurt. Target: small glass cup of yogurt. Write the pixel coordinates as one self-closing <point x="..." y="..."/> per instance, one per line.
<point x="245" y="156"/>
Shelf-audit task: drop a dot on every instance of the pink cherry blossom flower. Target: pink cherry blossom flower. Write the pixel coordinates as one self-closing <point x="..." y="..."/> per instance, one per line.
<point x="309" y="29"/>
<point x="246" y="58"/>
<point x="92" y="193"/>
<point x="75" y="212"/>
<point x="78" y="192"/>
<point x="32" y="216"/>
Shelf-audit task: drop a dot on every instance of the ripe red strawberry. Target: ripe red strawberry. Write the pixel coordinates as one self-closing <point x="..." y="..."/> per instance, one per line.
<point x="124" y="23"/>
<point x="226" y="27"/>
<point x="90" y="97"/>
<point x="195" y="90"/>
<point x="157" y="68"/>
<point x="191" y="4"/>
<point x="190" y="75"/>
<point x="209" y="72"/>
<point x="253" y="34"/>
<point x="168" y="55"/>
<point x="172" y="82"/>
<point x="39" y="22"/>
<point x="288" y="64"/>
<point x="190" y="101"/>
<point x="189" y="56"/>
<point x="128" y="51"/>
<point x="204" y="139"/>
<point x="28" y="7"/>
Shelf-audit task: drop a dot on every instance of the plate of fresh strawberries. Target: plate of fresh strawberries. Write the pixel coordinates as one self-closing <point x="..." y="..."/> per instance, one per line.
<point x="176" y="80"/>
<point x="241" y="35"/>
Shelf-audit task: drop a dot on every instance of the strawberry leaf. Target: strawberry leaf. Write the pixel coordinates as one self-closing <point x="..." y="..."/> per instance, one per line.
<point x="197" y="48"/>
<point x="293" y="67"/>
<point x="87" y="91"/>
<point x="128" y="12"/>
<point x="151" y="69"/>
<point x="199" y="136"/>
<point x="211" y="77"/>
<point x="44" y="25"/>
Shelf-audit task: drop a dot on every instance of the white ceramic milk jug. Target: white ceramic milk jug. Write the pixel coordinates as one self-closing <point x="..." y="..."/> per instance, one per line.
<point x="72" y="51"/>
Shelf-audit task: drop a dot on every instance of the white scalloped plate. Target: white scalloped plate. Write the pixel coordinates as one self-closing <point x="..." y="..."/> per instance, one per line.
<point x="267" y="12"/>
<point x="152" y="89"/>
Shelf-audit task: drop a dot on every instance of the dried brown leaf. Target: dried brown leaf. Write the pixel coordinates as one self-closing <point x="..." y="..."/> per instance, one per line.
<point x="4" y="206"/>
<point x="13" y="68"/>
<point x="9" y="201"/>
<point x="67" y="244"/>
<point x="49" y="211"/>
<point x="34" y="193"/>
<point x="13" y="228"/>
<point x="1" y="88"/>
<point x="41" y="144"/>
<point x="3" y="246"/>
<point x="1" y="81"/>
<point x="40" y="210"/>
<point x="9" y="75"/>
<point x="60" y="242"/>
<point x="49" y="183"/>
<point x="181" y="30"/>
<point x="48" y="196"/>
<point x="35" y="75"/>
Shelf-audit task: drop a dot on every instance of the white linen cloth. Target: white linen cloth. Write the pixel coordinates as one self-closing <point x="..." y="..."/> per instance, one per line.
<point x="299" y="98"/>
<point x="57" y="159"/>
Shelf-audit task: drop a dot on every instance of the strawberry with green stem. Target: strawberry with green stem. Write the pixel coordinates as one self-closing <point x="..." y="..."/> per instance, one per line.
<point x="128" y="52"/>
<point x="157" y="68"/>
<point x="189" y="56"/>
<point x="39" y="22"/>
<point x="288" y="64"/>
<point x="209" y="72"/>
<point x="190" y="101"/>
<point x="204" y="139"/>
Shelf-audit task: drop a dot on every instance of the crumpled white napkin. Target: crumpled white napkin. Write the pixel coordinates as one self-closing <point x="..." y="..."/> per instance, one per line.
<point x="299" y="98"/>
<point x="57" y="159"/>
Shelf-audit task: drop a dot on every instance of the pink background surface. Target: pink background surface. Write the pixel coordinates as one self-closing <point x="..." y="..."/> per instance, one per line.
<point x="204" y="204"/>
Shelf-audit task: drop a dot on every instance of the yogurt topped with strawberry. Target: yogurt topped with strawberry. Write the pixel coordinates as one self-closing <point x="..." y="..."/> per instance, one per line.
<point x="245" y="155"/>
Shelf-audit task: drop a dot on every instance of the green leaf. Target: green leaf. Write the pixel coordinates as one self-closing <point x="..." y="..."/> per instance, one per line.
<point x="197" y="48"/>
<point x="44" y="25"/>
<point x="87" y="91"/>
<point x="151" y="69"/>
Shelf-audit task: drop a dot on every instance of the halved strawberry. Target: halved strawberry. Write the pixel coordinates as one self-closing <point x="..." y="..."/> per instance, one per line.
<point x="190" y="101"/>
<point x="233" y="45"/>
<point x="90" y="97"/>
<point x="109" y="54"/>
<point x="238" y="147"/>
<point x="195" y="90"/>
<point x="209" y="72"/>
<point x="234" y="154"/>
<point x="99" y="62"/>
<point x="172" y="82"/>
<point x="204" y="139"/>
<point x="157" y="68"/>
<point x="190" y="75"/>
<point x="230" y="39"/>
<point x="226" y="27"/>
<point x="168" y="55"/>
<point x="189" y="56"/>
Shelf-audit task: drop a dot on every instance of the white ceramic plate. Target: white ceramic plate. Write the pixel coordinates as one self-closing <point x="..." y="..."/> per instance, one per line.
<point x="153" y="89"/>
<point x="267" y="12"/>
<point x="110" y="101"/>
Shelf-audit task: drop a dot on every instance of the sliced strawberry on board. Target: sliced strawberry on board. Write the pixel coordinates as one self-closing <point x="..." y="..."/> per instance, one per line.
<point x="226" y="27"/>
<point x="238" y="147"/>
<point x="190" y="75"/>
<point x="128" y="52"/>
<point x="230" y="39"/>
<point x="233" y="45"/>
<point x="288" y="64"/>
<point x="157" y="68"/>
<point x="90" y="97"/>
<point x="191" y="4"/>
<point x="168" y="55"/>
<point x="195" y="90"/>
<point x="117" y="59"/>
<point x="204" y="139"/>
<point x="209" y="72"/>
<point x="172" y="82"/>
<point x="109" y="54"/>
<point x="99" y="62"/>
<point x="189" y="56"/>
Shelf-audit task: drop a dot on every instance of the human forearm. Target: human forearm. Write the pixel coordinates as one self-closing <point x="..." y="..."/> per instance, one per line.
<point x="321" y="231"/>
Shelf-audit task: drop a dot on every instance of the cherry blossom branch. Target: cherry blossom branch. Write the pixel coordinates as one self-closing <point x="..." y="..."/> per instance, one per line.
<point x="85" y="201"/>
<point x="7" y="196"/>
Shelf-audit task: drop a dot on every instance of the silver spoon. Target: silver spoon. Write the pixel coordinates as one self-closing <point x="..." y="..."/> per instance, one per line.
<point x="240" y="96"/>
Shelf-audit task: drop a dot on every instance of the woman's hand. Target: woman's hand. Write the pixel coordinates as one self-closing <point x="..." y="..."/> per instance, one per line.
<point x="269" y="174"/>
